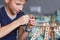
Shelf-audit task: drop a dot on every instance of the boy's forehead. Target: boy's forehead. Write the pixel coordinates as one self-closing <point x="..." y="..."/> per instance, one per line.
<point x="19" y="0"/>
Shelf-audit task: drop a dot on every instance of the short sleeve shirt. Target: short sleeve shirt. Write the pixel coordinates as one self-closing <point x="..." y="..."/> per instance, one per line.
<point x="5" y="20"/>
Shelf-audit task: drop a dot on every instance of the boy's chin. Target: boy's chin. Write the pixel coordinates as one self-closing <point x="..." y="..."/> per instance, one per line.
<point x="16" y="13"/>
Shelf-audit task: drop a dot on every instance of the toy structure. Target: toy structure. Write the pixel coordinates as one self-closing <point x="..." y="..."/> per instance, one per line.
<point x="49" y="31"/>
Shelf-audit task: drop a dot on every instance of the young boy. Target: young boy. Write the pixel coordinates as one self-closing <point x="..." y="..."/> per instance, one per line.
<point x="12" y="18"/>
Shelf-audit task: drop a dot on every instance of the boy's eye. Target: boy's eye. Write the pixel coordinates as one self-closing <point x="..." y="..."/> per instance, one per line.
<point x="18" y="4"/>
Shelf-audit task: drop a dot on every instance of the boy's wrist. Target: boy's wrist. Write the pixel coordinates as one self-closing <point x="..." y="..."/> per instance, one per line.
<point x="27" y="29"/>
<point x="19" y="22"/>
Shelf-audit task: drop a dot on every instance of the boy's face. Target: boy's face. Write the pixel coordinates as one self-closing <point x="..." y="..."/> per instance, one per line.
<point x="15" y="5"/>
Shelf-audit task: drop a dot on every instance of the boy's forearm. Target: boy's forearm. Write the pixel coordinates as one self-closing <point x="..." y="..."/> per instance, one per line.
<point x="8" y="28"/>
<point x="24" y="36"/>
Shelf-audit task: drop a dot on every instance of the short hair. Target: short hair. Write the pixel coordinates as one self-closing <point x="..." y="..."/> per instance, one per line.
<point x="26" y="0"/>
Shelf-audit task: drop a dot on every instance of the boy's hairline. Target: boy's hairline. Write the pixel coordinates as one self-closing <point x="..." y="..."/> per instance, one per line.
<point x="26" y="0"/>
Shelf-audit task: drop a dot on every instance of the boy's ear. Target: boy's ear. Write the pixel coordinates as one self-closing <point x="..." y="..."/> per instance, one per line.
<point x="7" y="1"/>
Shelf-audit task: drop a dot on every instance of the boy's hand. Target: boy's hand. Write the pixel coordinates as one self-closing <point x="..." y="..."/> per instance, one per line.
<point x="32" y="22"/>
<point x="24" y="19"/>
<point x="28" y="19"/>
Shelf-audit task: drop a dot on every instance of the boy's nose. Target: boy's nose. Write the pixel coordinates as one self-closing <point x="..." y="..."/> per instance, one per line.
<point x="20" y="8"/>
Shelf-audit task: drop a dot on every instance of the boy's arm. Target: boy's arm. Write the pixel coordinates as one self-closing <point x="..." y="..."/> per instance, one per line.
<point x="10" y="27"/>
<point x="20" y="31"/>
<point x="22" y="34"/>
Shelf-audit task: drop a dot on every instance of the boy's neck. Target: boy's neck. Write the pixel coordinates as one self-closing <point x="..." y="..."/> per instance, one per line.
<point x="11" y="15"/>
<point x="8" y="11"/>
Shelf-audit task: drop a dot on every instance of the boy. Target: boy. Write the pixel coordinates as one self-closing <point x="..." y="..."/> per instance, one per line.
<point x="12" y="18"/>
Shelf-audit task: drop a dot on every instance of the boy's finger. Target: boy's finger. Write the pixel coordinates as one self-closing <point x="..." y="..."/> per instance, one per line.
<point x="31" y="16"/>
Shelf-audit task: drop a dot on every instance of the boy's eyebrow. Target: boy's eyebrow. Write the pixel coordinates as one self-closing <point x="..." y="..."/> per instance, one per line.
<point x="21" y="0"/>
<point x="19" y="3"/>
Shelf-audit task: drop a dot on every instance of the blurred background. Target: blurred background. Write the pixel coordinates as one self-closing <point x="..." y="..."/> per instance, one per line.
<point x="47" y="10"/>
<point x="39" y="7"/>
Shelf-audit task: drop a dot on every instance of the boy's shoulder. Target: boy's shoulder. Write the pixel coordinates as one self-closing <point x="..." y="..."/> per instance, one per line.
<point x="1" y="8"/>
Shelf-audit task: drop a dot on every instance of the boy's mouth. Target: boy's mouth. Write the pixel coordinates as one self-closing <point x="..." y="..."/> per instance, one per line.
<point x="16" y="12"/>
